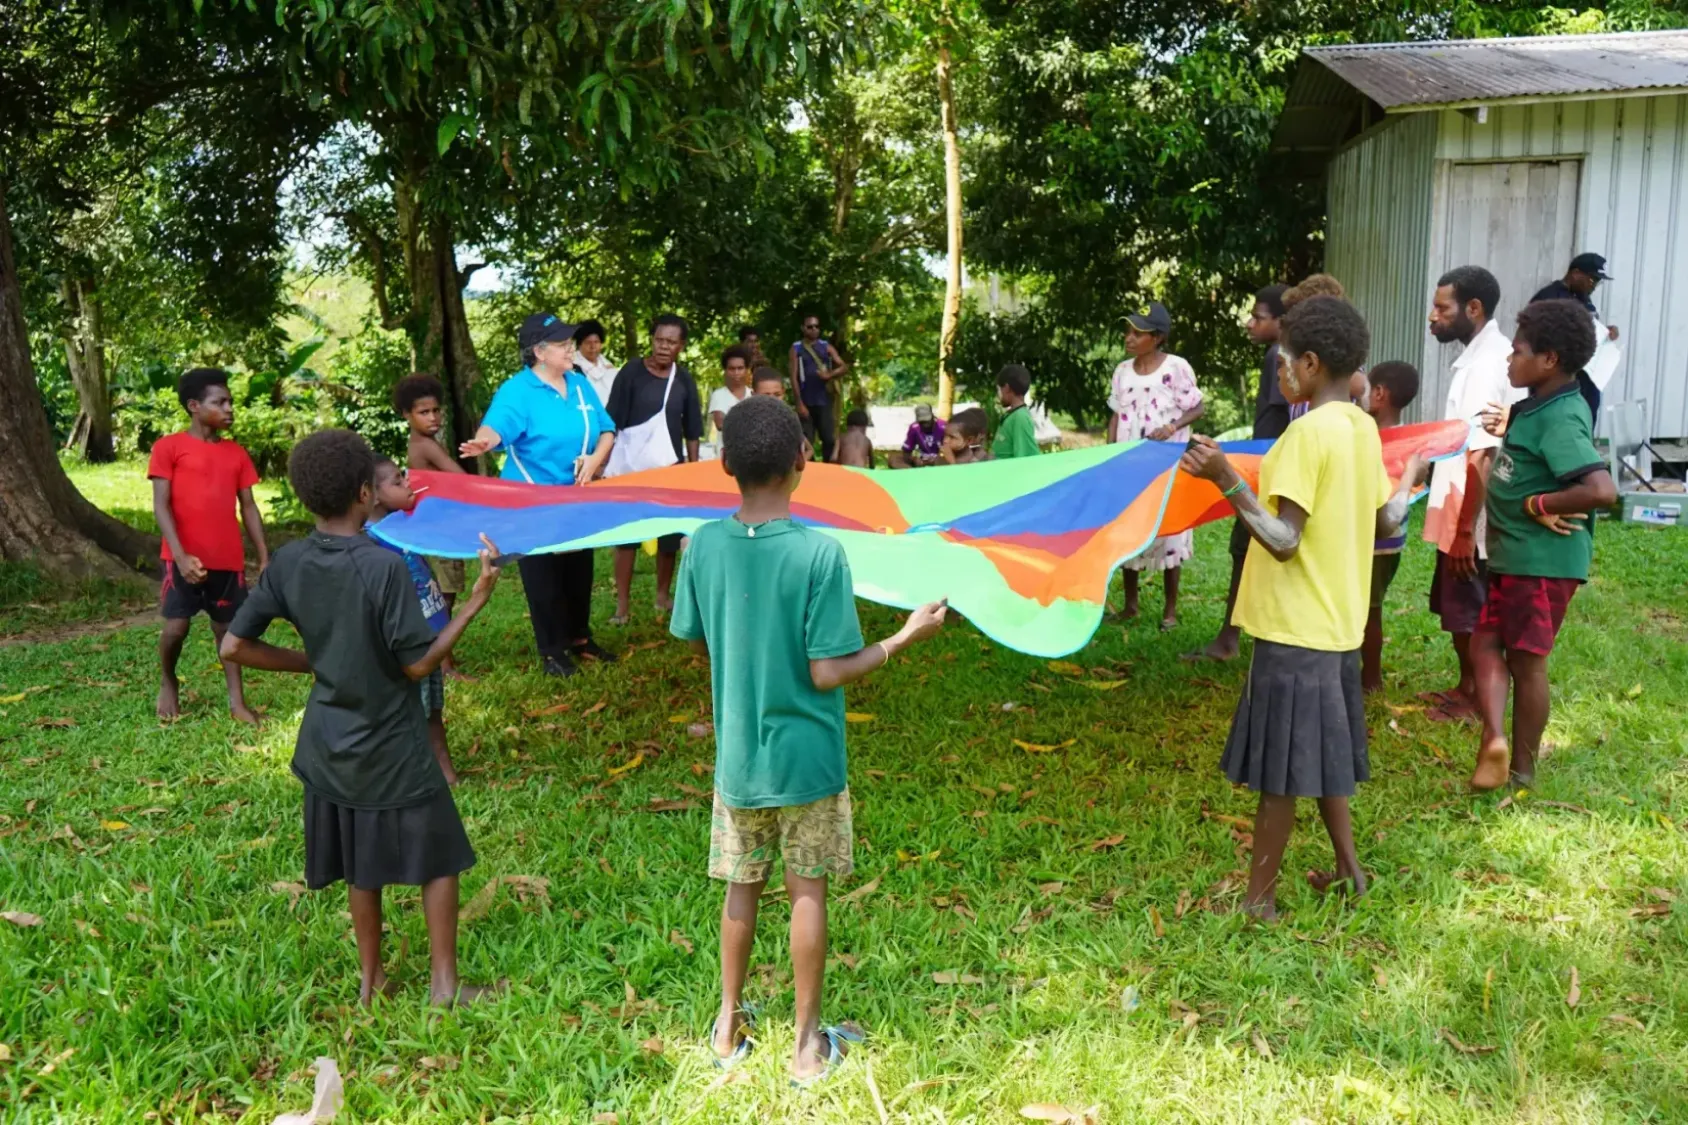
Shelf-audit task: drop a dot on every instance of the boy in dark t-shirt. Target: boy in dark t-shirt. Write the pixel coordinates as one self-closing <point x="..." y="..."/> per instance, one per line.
<point x="1546" y="478"/>
<point x="199" y="478"/>
<point x="393" y="494"/>
<point x="377" y="807"/>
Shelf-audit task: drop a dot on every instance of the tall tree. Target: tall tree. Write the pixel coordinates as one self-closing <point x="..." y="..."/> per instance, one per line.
<point x="460" y="108"/>
<point x="952" y="212"/>
<point x="82" y="79"/>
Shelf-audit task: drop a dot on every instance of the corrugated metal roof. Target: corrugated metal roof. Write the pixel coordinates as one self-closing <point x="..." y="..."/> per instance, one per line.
<point x="1405" y="76"/>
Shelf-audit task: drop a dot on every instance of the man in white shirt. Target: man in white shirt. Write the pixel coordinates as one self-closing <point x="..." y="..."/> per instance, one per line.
<point x="1463" y="311"/>
<point x="590" y="361"/>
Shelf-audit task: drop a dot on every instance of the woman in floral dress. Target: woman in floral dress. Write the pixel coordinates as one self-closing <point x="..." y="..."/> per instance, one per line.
<point x="1155" y="397"/>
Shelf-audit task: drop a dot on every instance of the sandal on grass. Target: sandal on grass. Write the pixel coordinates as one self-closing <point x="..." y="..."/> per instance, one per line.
<point x="835" y="1034"/>
<point x="746" y="1043"/>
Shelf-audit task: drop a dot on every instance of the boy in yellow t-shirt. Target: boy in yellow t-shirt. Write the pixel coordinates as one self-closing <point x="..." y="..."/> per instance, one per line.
<point x="1300" y="728"/>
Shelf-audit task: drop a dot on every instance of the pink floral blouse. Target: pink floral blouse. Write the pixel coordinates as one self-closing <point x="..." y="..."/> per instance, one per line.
<point x="1146" y="402"/>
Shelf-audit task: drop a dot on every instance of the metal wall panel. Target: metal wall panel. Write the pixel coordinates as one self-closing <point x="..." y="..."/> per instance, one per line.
<point x="1379" y="203"/>
<point x="1630" y="207"/>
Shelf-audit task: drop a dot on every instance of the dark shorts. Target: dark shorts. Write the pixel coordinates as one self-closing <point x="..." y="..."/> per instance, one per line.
<point x="217" y="597"/>
<point x="1526" y="612"/>
<point x="1458" y="602"/>
<point x="1239" y="540"/>
<point x="669" y="544"/>
<point x="1383" y="571"/>
<point x="433" y="692"/>
<point x="371" y="849"/>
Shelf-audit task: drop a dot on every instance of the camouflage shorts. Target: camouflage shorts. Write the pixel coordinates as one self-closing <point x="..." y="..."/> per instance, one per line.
<point x="814" y="840"/>
<point x="449" y="573"/>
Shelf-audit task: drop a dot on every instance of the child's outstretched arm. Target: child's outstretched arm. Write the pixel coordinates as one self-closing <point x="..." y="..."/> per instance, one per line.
<point x="836" y="671"/>
<point x="254" y="522"/>
<point x="467" y="609"/>
<point x="250" y="652"/>
<point x="1279" y="534"/>
<point x="1393" y="514"/>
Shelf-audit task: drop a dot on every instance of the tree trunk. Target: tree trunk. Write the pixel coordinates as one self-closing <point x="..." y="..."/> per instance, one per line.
<point x="43" y="519"/>
<point x="952" y="214"/>
<point x="84" y="350"/>
<point x="438" y="325"/>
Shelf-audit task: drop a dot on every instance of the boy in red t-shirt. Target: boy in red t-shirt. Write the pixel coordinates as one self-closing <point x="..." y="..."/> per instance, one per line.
<point x="198" y="478"/>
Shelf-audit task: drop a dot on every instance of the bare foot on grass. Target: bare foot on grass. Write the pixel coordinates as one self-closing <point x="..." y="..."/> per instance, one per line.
<point x="169" y="700"/>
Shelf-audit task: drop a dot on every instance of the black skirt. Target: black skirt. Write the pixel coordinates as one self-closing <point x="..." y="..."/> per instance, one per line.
<point x="370" y="849"/>
<point x="1300" y="727"/>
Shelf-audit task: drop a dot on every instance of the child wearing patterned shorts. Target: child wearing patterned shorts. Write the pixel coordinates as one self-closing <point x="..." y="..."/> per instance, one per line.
<point x="770" y="602"/>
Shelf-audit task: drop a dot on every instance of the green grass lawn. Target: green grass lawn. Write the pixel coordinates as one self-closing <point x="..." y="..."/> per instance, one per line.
<point x="1081" y="893"/>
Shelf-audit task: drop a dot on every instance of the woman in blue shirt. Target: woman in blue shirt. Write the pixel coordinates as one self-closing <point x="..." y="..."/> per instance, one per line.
<point x="553" y="430"/>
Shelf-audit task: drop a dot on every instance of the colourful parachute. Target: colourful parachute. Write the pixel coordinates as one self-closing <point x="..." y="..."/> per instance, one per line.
<point x="1024" y="549"/>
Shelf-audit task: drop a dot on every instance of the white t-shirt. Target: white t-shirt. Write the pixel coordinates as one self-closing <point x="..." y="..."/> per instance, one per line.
<point x="723" y="400"/>
<point x="1479" y="378"/>
<point x="601" y="375"/>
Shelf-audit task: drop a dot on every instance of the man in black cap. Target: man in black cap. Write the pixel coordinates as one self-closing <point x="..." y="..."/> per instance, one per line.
<point x="1586" y="272"/>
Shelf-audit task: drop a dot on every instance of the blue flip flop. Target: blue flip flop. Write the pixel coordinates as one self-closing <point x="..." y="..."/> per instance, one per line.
<point x="835" y="1034"/>
<point x="746" y="1044"/>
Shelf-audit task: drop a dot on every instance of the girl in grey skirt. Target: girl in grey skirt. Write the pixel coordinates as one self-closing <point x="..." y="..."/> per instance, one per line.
<point x="1324" y="496"/>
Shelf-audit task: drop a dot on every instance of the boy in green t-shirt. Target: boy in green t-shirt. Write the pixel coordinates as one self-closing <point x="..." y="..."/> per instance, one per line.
<point x="770" y="602"/>
<point x="1016" y="434"/>
<point x="1545" y="480"/>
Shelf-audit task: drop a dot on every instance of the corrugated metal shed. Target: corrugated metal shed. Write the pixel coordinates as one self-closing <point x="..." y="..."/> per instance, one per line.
<point x="1340" y="91"/>
<point x="1401" y="76"/>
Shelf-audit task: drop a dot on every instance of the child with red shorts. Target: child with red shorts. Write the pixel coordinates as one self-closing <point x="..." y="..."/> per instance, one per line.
<point x="199" y="479"/>
<point x="1545" y="480"/>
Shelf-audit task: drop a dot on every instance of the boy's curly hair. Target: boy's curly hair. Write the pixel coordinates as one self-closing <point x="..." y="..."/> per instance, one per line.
<point x="1400" y="379"/>
<point x="191" y="387"/>
<point x="1330" y="328"/>
<point x="1313" y="285"/>
<point x="1562" y="327"/>
<point x="970" y="423"/>
<point x="328" y="470"/>
<point x="412" y="388"/>
<point x="761" y="440"/>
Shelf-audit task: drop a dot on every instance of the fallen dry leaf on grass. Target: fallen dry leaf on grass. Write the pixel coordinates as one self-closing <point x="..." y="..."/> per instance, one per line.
<point x="701" y="730"/>
<point x="1381" y="977"/>
<point x="1183" y="903"/>
<point x="857" y="717"/>
<point x="293" y="891"/>
<point x="327" y="1099"/>
<point x="114" y="825"/>
<point x="606" y="1119"/>
<point x="1107" y="842"/>
<point x="1464" y="1048"/>
<point x="1065" y="668"/>
<point x="1260" y="1045"/>
<point x="672" y="805"/>
<point x="862" y="891"/>
<point x="1155" y="922"/>
<point x="1040" y="820"/>
<point x="1573" y="996"/>
<point x="14" y="698"/>
<point x="1627" y="1021"/>
<point x="954" y="976"/>
<point x="1059" y="1114"/>
<point x="675" y="937"/>
<point x="1048" y="889"/>
<point x="1041" y="748"/>
<point x="1651" y="910"/>
<point x="651" y="1046"/>
<point x="20" y="918"/>
<point x="554" y="709"/>
<point x="438" y="1062"/>
<point x="1103" y="685"/>
<point x="631" y="764"/>
<point x="525" y="886"/>
<point x="53" y="724"/>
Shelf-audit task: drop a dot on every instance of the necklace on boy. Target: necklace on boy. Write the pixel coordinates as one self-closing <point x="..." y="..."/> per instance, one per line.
<point x="750" y="528"/>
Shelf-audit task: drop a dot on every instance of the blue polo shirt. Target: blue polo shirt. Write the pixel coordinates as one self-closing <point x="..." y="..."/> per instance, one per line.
<point x="544" y="431"/>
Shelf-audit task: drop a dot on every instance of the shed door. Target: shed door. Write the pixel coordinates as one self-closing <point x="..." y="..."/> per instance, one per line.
<point x="1518" y="221"/>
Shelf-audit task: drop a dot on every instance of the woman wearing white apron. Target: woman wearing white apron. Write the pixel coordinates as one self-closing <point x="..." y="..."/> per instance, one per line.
<point x="654" y="405"/>
<point x="553" y="430"/>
